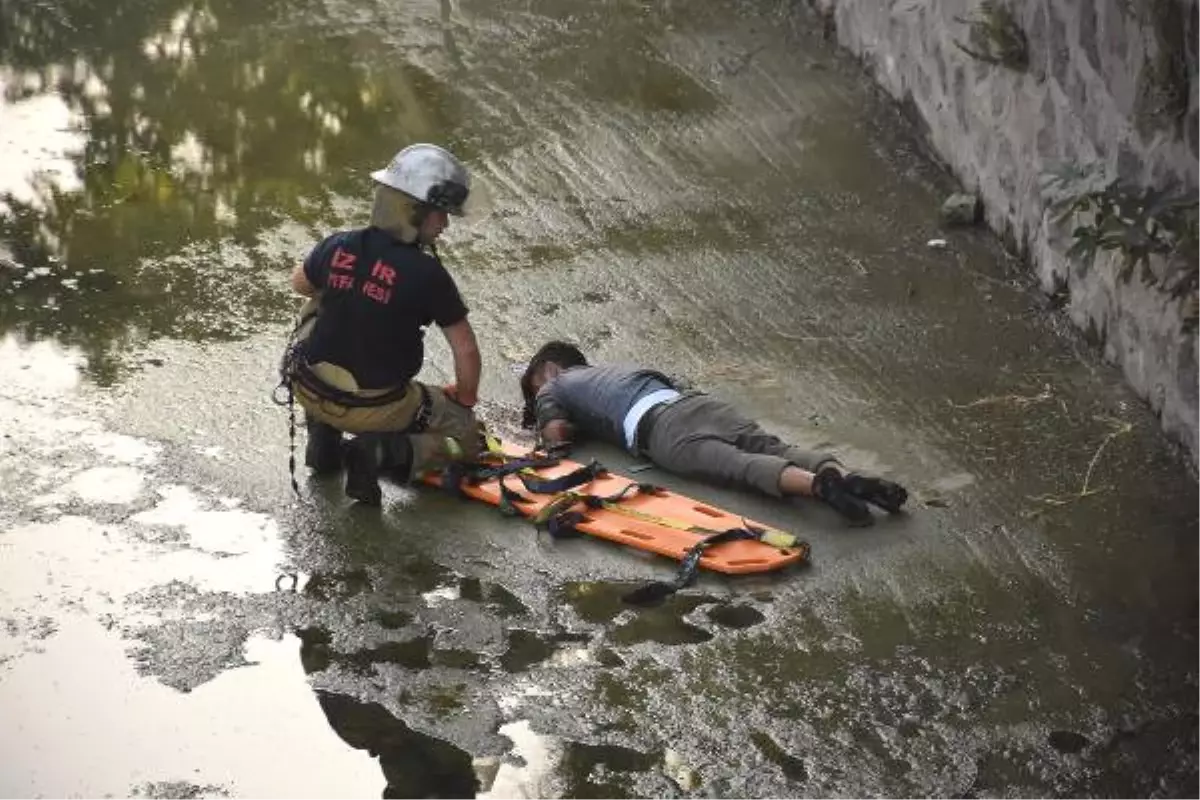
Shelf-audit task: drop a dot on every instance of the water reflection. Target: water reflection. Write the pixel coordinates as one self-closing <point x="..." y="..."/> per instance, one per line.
<point x="414" y="764"/>
<point x="150" y="143"/>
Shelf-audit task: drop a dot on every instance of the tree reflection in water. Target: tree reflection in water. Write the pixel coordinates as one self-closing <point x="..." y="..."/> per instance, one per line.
<point x="202" y="124"/>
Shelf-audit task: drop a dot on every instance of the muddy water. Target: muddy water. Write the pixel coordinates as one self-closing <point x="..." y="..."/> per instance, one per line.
<point x="710" y="190"/>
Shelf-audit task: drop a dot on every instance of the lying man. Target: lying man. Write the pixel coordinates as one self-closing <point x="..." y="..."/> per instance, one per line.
<point x="688" y="433"/>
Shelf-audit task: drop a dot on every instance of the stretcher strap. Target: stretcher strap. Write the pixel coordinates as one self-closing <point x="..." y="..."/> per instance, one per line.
<point x="560" y="520"/>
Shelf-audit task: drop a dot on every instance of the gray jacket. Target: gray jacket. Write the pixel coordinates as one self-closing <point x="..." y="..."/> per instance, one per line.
<point x="596" y="399"/>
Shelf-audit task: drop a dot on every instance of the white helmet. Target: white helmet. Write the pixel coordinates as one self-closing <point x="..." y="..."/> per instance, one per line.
<point x="428" y="174"/>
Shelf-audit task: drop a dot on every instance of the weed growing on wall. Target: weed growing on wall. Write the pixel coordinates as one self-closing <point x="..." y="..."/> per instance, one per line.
<point x="995" y="36"/>
<point x="1139" y="222"/>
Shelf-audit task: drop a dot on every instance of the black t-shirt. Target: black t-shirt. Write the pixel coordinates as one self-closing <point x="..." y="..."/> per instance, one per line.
<point x="378" y="295"/>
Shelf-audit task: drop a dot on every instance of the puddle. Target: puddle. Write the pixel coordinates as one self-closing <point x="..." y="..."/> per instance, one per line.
<point x="77" y="562"/>
<point x="114" y="485"/>
<point x="493" y="595"/>
<point x="1068" y="741"/>
<point x="537" y="755"/>
<point x="455" y="658"/>
<point x="604" y="770"/>
<point x="414" y="764"/>
<point x="600" y="603"/>
<point x="412" y="653"/>
<point x="246" y="537"/>
<point x="529" y="648"/>
<point x="37" y="369"/>
<point x="597" y="602"/>
<point x="100" y="731"/>
<point x="41" y="139"/>
<point x="661" y="629"/>
<point x="735" y="616"/>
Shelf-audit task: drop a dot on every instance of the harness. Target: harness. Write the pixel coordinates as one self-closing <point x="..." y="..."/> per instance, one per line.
<point x="293" y="368"/>
<point x="559" y="517"/>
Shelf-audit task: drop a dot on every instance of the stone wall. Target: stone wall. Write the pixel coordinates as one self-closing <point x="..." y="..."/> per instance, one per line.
<point x="1092" y="93"/>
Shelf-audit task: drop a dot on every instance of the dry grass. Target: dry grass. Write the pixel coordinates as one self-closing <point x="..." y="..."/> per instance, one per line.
<point x="1016" y="400"/>
<point x="1119" y="428"/>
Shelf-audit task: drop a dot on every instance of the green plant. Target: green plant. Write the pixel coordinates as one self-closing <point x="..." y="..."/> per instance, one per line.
<point x="995" y="36"/>
<point x="1137" y="221"/>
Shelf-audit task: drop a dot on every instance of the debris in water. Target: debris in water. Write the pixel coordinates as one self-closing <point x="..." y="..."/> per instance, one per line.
<point x="1020" y="401"/>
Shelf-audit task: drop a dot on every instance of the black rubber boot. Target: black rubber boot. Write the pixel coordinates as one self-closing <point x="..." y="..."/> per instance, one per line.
<point x="323" y="451"/>
<point x="397" y="457"/>
<point x="830" y="488"/>
<point x="362" y="469"/>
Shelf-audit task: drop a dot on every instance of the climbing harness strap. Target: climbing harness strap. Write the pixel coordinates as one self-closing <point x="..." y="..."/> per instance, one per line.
<point x="294" y="369"/>
<point x="300" y="372"/>
<point x="585" y="474"/>
<point x="656" y="592"/>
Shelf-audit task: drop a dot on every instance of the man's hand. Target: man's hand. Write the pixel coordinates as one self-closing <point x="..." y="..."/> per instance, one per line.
<point x="451" y="391"/>
<point x="467" y="364"/>
<point x="888" y="495"/>
<point x="556" y="435"/>
<point x="300" y="282"/>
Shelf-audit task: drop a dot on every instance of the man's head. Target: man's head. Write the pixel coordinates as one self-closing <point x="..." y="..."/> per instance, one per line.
<point x="417" y="192"/>
<point x="551" y="359"/>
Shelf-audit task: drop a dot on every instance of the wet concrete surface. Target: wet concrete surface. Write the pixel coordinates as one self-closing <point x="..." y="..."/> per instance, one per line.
<point x="707" y="189"/>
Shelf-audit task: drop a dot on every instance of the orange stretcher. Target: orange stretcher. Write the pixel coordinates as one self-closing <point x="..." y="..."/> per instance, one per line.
<point x="659" y="521"/>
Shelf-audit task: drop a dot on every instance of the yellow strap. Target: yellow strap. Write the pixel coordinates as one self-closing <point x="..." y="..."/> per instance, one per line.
<point x="771" y="536"/>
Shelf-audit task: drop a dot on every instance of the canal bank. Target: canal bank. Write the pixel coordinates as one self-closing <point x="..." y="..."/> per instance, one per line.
<point x="1031" y="104"/>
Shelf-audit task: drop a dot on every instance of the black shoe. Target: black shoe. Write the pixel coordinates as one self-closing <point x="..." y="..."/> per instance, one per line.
<point x="397" y="462"/>
<point x="362" y="471"/>
<point x="323" y="451"/>
<point x="830" y="487"/>
<point x="886" y="494"/>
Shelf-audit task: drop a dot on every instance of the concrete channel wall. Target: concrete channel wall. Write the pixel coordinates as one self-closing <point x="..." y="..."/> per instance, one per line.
<point x="1106" y="84"/>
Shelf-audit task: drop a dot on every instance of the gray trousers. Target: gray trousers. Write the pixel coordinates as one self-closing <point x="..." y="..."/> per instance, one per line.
<point x="699" y="436"/>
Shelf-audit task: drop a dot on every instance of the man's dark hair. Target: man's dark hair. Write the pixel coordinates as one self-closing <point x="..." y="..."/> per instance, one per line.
<point x="564" y="354"/>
